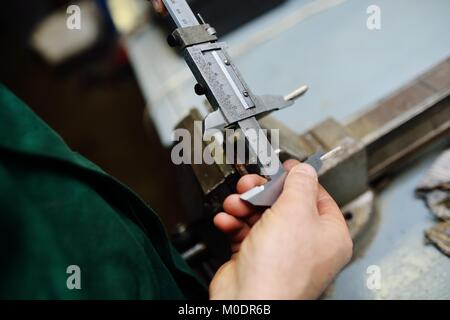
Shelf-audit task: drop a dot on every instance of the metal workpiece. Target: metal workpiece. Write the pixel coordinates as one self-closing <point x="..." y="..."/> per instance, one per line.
<point x="267" y="194"/>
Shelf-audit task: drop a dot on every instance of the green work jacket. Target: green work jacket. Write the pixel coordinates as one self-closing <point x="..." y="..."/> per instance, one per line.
<point x="68" y="230"/>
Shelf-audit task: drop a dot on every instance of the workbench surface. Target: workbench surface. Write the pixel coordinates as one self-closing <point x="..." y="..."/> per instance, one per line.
<point x="395" y="243"/>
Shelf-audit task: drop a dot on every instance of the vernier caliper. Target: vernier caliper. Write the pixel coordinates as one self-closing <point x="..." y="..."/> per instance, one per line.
<point x="234" y="103"/>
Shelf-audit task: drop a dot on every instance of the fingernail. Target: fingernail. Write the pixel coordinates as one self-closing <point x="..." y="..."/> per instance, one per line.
<point x="306" y="169"/>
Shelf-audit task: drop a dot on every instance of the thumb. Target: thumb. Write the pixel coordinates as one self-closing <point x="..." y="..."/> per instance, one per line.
<point x="299" y="196"/>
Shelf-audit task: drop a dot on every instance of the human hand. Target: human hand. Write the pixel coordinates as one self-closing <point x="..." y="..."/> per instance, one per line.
<point x="159" y="7"/>
<point x="291" y="251"/>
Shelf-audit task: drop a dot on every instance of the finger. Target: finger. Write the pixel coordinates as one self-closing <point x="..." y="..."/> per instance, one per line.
<point x="248" y="182"/>
<point x="300" y="192"/>
<point x="242" y="210"/>
<point x="236" y="229"/>
<point x="227" y="223"/>
<point x="327" y="206"/>
<point x="239" y="235"/>
<point x="236" y="207"/>
<point x="289" y="164"/>
<point x="253" y="219"/>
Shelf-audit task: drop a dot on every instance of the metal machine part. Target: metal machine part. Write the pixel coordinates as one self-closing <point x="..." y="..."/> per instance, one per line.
<point x="257" y="197"/>
<point x="233" y="102"/>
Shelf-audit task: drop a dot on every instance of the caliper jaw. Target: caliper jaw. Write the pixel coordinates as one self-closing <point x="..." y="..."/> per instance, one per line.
<point x="264" y="105"/>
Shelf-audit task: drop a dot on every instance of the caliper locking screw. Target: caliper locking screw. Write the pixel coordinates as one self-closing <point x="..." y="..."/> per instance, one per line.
<point x="199" y="89"/>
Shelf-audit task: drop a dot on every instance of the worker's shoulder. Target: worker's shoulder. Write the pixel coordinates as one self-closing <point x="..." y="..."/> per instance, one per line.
<point x="39" y="169"/>
<point x="22" y="131"/>
<point x="62" y="209"/>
